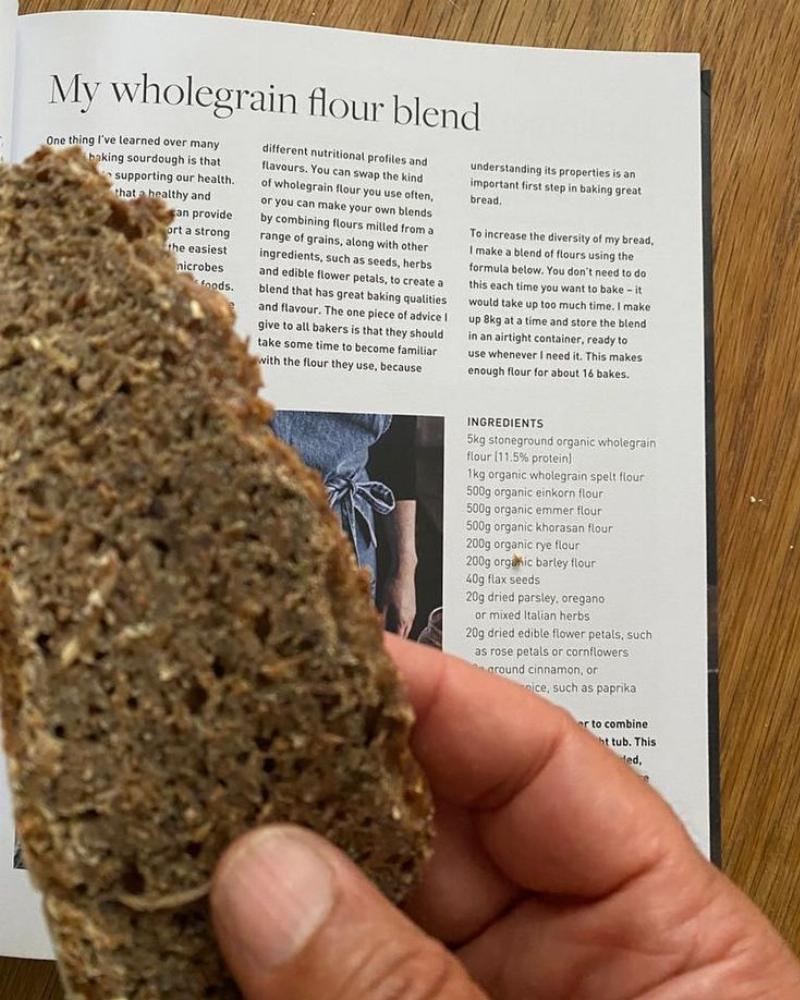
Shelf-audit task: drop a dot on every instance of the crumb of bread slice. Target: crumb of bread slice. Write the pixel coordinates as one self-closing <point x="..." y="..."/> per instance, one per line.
<point x="187" y="649"/>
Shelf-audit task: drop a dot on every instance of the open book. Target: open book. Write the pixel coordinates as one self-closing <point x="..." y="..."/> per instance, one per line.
<point x="475" y="278"/>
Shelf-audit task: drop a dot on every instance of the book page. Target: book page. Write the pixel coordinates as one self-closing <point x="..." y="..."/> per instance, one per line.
<point x="8" y="36"/>
<point x="474" y="277"/>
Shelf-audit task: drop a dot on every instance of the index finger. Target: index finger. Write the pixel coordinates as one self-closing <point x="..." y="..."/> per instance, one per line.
<point x="555" y="809"/>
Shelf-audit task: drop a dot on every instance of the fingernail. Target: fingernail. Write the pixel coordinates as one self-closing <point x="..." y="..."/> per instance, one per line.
<point x="271" y="895"/>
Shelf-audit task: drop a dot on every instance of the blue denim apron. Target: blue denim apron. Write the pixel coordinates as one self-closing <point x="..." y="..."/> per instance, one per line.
<point x="337" y="446"/>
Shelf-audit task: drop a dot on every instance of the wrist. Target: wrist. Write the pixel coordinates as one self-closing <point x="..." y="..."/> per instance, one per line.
<point x="406" y="566"/>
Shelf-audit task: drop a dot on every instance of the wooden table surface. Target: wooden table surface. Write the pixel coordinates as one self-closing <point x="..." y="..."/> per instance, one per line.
<point x="752" y="48"/>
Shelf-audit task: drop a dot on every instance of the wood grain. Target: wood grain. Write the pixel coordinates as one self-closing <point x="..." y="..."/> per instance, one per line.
<point x="752" y="48"/>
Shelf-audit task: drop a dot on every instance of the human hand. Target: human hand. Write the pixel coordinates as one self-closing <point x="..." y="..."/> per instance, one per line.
<point x="557" y="874"/>
<point x="399" y="603"/>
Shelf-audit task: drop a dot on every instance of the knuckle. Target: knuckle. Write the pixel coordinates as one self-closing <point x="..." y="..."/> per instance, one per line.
<point x="395" y="970"/>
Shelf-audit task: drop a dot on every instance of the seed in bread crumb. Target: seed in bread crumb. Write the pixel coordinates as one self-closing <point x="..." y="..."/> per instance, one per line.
<point x="95" y="600"/>
<point x="69" y="654"/>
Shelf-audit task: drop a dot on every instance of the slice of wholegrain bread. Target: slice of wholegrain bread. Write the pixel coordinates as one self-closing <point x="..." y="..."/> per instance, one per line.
<point x="186" y="647"/>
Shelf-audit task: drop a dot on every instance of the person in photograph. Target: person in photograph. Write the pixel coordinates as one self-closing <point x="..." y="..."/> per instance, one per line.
<point x="368" y="465"/>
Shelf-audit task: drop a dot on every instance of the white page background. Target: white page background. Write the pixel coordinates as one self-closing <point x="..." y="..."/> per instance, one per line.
<point x="565" y="107"/>
<point x="8" y="22"/>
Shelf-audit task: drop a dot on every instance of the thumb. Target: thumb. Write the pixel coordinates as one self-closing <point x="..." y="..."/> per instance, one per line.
<point x="296" y="919"/>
